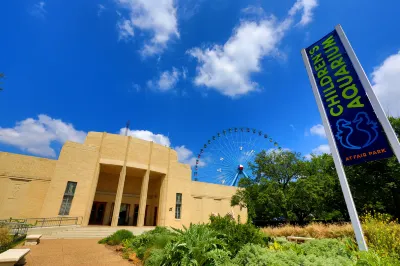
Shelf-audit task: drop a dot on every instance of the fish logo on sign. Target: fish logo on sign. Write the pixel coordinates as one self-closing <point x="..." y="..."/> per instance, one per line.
<point x="357" y="134"/>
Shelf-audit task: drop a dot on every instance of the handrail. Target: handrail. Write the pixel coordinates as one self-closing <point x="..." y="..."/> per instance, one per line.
<point x="44" y="222"/>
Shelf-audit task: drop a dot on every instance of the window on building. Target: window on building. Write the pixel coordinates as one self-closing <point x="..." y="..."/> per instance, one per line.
<point x="68" y="197"/>
<point x="178" y="206"/>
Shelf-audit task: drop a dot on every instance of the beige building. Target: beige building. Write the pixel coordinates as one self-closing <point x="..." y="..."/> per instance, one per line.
<point x="110" y="180"/>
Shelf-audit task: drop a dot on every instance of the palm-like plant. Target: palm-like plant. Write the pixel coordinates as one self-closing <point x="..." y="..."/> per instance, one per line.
<point x="195" y="245"/>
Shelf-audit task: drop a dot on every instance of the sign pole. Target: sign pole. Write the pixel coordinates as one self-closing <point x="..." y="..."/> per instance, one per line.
<point x="336" y="158"/>
<point x="391" y="135"/>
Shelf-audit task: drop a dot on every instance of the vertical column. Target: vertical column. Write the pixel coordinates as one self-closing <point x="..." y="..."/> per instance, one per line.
<point x="162" y="205"/>
<point x="120" y="189"/>
<point x="161" y="199"/>
<point x="93" y="188"/>
<point x="143" y="191"/>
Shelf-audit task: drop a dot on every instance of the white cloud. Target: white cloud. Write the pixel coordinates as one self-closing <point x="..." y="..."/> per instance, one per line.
<point x="292" y="127"/>
<point x="321" y="149"/>
<point x="158" y="17"/>
<point x="307" y="6"/>
<point x="147" y="135"/>
<point x="38" y="10"/>
<point x="100" y="9"/>
<point x="318" y="130"/>
<point x="255" y="10"/>
<point x="36" y="135"/>
<point x="186" y="156"/>
<point x="166" y="81"/>
<point x="386" y="82"/>
<point x="125" y="29"/>
<point x="227" y="68"/>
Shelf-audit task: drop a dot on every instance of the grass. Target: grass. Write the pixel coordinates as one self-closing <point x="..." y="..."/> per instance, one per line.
<point x="315" y="230"/>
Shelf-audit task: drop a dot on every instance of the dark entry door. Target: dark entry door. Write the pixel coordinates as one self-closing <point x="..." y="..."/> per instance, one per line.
<point x="155" y="216"/>
<point x="135" y="214"/>
<point x="97" y="213"/>
<point x="123" y="218"/>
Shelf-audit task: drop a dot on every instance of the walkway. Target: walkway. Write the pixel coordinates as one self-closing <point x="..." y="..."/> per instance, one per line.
<point x="71" y="252"/>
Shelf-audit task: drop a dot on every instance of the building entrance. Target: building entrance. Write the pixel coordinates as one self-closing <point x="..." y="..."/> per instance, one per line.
<point x="97" y="213"/>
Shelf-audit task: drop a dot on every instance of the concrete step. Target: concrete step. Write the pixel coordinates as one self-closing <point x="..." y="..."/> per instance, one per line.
<point x="91" y="232"/>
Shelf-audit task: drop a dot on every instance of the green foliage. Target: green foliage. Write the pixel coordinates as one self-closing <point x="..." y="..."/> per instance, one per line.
<point x="117" y="238"/>
<point x="237" y="235"/>
<point x="196" y="245"/>
<point x="291" y="254"/>
<point x="5" y="239"/>
<point x="154" y="239"/>
<point x="382" y="234"/>
<point x="287" y="185"/>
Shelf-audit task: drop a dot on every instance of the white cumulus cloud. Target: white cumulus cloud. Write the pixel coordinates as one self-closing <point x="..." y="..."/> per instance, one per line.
<point x="166" y="81"/>
<point x="186" y="156"/>
<point x="36" y="135"/>
<point x="147" y="135"/>
<point x="228" y="68"/>
<point x="321" y="149"/>
<point x="386" y="84"/>
<point x="156" y="17"/>
<point x="318" y="130"/>
<point x="307" y="7"/>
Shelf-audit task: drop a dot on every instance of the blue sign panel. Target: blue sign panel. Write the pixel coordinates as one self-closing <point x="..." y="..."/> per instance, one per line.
<point x="358" y="134"/>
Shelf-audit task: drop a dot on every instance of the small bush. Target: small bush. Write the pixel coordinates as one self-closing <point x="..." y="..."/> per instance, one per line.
<point x="382" y="234"/>
<point x="315" y="230"/>
<point x="5" y="239"/>
<point x="144" y="243"/>
<point x="117" y="237"/>
<point x="237" y="235"/>
<point x="197" y="245"/>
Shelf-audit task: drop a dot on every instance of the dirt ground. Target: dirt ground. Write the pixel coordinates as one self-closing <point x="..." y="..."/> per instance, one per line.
<point x="71" y="252"/>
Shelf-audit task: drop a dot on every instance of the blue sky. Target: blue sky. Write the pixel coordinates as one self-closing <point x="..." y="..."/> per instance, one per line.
<point x="180" y="71"/>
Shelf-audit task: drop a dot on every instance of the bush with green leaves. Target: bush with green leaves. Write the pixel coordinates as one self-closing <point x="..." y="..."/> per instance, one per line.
<point x="382" y="234"/>
<point x="5" y="239"/>
<point x="197" y="245"/>
<point x="237" y="235"/>
<point x="144" y="243"/>
<point x="117" y="237"/>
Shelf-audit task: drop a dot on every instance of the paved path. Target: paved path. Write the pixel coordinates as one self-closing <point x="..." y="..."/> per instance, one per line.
<point x="71" y="252"/>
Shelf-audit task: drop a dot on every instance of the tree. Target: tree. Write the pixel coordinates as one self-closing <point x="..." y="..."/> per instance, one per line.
<point x="282" y="187"/>
<point x="287" y="185"/>
<point x="376" y="185"/>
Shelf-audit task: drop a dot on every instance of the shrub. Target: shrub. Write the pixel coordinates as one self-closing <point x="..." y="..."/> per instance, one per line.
<point x="312" y="253"/>
<point x="117" y="237"/>
<point x="144" y="243"/>
<point x="196" y="245"/>
<point x="237" y="235"/>
<point x="315" y="230"/>
<point x="5" y="239"/>
<point x="382" y="234"/>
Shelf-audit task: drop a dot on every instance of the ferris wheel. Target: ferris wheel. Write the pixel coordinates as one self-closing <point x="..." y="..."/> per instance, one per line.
<point x="224" y="158"/>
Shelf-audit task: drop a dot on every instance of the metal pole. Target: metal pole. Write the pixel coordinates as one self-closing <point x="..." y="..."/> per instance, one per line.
<point x="362" y="245"/>
<point x="234" y="180"/>
<point x="380" y="113"/>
